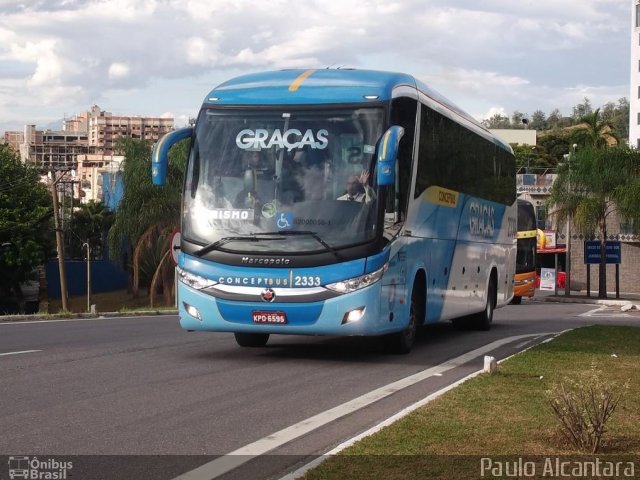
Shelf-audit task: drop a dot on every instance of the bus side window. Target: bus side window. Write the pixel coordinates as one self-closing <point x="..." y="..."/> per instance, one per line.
<point x="403" y="113"/>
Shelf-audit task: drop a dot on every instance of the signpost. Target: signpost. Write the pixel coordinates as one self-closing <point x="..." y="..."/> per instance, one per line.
<point x="613" y="251"/>
<point x="548" y="279"/>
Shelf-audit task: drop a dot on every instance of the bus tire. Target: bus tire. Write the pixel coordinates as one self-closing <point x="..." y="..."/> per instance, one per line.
<point x="402" y="342"/>
<point x="516" y="300"/>
<point x="483" y="320"/>
<point x="251" y="339"/>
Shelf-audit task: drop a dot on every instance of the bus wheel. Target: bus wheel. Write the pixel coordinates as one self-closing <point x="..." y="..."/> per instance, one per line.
<point x="516" y="300"/>
<point x="401" y="342"/>
<point x="482" y="320"/>
<point x="252" y="339"/>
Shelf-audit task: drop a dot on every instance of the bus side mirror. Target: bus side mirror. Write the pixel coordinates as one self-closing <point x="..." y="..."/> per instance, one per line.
<point x="160" y="152"/>
<point x="387" y="155"/>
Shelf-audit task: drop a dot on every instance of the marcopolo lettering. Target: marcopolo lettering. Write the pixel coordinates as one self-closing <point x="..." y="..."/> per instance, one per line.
<point x="289" y="139"/>
<point x="265" y="261"/>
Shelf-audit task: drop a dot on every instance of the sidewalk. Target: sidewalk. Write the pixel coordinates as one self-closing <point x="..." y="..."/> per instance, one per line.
<point x="581" y="297"/>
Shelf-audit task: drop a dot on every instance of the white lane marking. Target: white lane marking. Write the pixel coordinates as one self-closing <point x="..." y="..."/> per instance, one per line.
<point x="402" y="413"/>
<point x="590" y="313"/>
<point x="19" y="353"/>
<point x="86" y="319"/>
<point x="596" y="312"/>
<point x="526" y="342"/>
<point x="228" y="462"/>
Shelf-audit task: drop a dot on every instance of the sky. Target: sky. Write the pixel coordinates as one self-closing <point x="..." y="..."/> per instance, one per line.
<point x="162" y="57"/>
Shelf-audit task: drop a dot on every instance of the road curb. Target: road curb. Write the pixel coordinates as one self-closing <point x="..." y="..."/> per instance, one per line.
<point x="79" y="316"/>
<point x="584" y="300"/>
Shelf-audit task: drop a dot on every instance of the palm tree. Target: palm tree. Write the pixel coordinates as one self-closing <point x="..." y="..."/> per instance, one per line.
<point x="89" y="224"/>
<point x="595" y="184"/>
<point x="147" y="212"/>
<point x="592" y="132"/>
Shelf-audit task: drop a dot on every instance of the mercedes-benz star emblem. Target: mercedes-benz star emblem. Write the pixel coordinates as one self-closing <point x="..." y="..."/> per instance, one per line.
<point x="268" y="295"/>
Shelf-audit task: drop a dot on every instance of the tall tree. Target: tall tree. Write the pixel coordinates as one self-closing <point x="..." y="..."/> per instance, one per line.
<point x="26" y="233"/>
<point x="147" y="212"/>
<point x="89" y="224"/>
<point x="582" y="109"/>
<point x="496" y="121"/>
<point x="593" y="132"/>
<point x="538" y="120"/>
<point x="517" y="118"/>
<point x="592" y="186"/>
<point x="555" y="119"/>
<point x="618" y="117"/>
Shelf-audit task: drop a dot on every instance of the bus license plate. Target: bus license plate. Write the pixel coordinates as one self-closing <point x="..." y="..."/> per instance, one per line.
<point x="269" y="317"/>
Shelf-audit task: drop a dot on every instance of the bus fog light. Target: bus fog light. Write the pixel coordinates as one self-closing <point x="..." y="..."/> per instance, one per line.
<point x="193" y="311"/>
<point x="353" y="315"/>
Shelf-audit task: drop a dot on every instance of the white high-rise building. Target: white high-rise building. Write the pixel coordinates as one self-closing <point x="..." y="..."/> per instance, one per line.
<point x="634" y="94"/>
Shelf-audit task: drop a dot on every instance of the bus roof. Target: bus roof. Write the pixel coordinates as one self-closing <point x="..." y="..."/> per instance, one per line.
<point x="328" y="86"/>
<point x="309" y="86"/>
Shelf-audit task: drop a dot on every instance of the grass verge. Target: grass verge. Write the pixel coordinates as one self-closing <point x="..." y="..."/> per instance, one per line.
<point x="117" y="301"/>
<point x="505" y="414"/>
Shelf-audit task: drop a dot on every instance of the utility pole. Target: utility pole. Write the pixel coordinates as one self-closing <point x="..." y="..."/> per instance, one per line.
<point x="59" y="241"/>
<point x="567" y="285"/>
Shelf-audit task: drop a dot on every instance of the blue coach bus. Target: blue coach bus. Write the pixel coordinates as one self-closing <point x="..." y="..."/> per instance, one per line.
<point x="271" y="244"/>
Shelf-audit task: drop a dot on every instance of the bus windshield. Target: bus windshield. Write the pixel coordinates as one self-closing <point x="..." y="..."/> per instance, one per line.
<point x="526" y="252"/>
<point x="276" y="181"/>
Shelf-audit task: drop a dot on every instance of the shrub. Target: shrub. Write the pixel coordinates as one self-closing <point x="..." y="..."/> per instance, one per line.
<point x="583" y="406"/>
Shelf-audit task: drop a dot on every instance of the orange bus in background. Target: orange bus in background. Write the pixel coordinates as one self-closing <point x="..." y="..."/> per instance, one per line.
<point x="525" y="279"/>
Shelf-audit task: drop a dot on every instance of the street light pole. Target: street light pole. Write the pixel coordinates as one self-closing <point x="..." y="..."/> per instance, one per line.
<point x="88" y="275"/>
<point x="567" y="285"/>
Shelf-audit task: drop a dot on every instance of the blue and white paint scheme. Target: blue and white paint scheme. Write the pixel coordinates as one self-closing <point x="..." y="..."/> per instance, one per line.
<point x="271" y="243"/>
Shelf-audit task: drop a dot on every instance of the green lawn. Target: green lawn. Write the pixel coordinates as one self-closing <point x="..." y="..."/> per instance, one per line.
<point x="502" y="414"/>
<point x="117" y="301"/>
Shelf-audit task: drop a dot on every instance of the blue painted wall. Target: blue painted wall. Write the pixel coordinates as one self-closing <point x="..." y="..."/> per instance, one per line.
<point x="105" y="277"/>
<point x="112" y="189"/>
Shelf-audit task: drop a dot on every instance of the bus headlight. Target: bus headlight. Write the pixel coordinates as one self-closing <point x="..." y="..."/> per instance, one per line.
<point x="357" y="283"/>
<point x="193" y="280"/>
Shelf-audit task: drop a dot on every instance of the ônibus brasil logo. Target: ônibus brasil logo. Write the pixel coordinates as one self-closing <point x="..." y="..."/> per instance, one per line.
<point x="32" y="468"/>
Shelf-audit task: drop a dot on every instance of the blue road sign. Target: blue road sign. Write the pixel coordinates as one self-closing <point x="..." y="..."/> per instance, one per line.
<point x="592" y="252"/>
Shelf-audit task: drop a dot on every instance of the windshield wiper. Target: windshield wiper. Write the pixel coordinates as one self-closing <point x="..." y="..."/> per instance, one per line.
<point x="218" y="243"/>
<point x="311" y="233"/>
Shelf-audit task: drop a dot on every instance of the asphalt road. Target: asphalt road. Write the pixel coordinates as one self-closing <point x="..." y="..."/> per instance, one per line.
<point x="142" y="386"/>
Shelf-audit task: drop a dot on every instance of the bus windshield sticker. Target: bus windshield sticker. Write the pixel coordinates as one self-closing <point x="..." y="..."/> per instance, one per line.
<point x="368" y="149"/>
<point x="284" y="220"/>
<point x="290" y="139"/>
<point x="231" y="214"/>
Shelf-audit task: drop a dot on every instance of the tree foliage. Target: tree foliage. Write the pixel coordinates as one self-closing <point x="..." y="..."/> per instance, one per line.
<point x="615" y="116"/>
<point x="26" y="231"/>
<point x="146" y="212"/>
<point x="497" y="121"/>
<point x="593" y="185"/>
<point x="89" y="224"/>
<point x="594" y="132"/>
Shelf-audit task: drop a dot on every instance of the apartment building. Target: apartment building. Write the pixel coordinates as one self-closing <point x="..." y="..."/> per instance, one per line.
<point x="86" y="145"/>
<point x="104" y="129"/>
